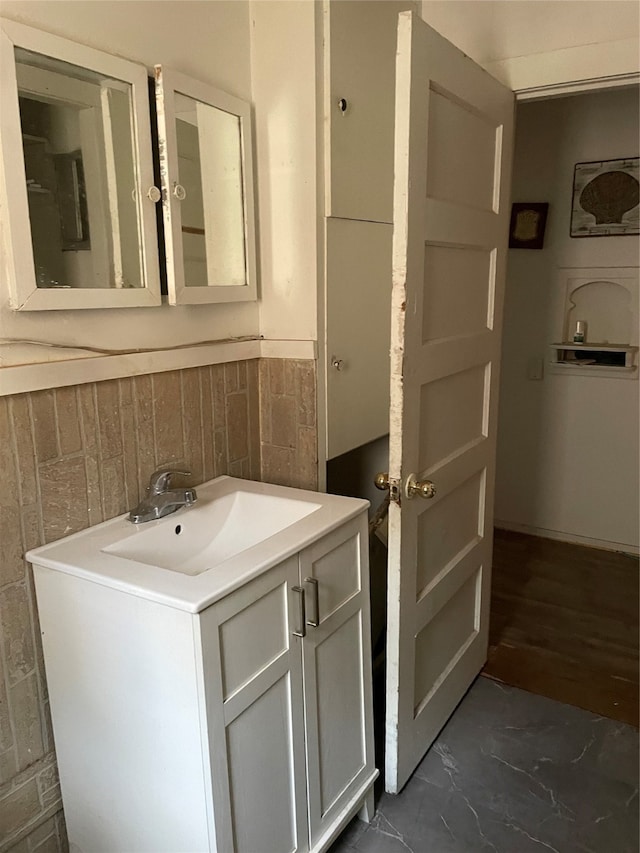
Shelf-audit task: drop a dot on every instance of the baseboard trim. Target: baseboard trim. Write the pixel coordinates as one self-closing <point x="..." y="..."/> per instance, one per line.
<point x="561" y="536"/>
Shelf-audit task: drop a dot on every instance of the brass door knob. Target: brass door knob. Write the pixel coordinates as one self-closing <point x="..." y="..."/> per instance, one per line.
<point x="422" y="488"/>
<point x="382" y="481"/>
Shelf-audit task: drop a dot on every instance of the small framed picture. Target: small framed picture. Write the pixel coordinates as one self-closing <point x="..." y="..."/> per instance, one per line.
<point x="605" y="198"/>
<point x="528" y="220"/>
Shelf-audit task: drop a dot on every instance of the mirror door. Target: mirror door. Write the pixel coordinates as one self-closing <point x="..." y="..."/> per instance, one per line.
<point x="77" y="175"/>
<point x="207" y="191"/>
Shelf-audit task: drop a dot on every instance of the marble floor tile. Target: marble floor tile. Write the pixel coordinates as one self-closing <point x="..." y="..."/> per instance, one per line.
<point x="513" y="772"/>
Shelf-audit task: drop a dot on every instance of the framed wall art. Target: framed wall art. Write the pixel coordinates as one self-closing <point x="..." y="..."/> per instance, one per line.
<point x="528" y="220"/>
<point x="606" y="194"/>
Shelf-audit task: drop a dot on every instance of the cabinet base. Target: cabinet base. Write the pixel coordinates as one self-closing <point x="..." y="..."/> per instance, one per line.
<point x="362" y="804"/>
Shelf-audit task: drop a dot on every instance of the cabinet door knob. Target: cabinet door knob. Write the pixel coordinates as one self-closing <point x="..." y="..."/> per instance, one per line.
<point x="302" y="631"/>
<point x="337" y="363"/>
<point x="343" y="105"/>
<point x="154" y="194"/>
<point x="179" y="192"/>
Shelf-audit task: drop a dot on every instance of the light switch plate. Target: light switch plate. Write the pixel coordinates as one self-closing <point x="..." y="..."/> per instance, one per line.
<point x="535" y="368"/>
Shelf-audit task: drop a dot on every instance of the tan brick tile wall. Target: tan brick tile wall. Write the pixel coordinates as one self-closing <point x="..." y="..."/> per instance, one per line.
<point x="72" y="457"/>
<point x="288" y="428"/>
<point x="44" y="424"/>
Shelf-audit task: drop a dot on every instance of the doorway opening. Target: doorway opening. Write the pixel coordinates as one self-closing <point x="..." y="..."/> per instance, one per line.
<point x="564" y="616"/>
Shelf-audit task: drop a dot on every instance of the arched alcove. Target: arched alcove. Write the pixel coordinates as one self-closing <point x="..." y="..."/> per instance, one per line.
<point x="606" y="307"/>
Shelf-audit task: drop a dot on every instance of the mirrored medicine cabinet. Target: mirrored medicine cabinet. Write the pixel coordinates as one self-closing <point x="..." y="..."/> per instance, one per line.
<point x="79" y="228"/>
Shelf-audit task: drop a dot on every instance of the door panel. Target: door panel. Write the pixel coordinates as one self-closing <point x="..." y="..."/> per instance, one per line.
<point x="461" y="308"/>
<point x="338" y="573"/>
<point x="259" y="746"/>
<point x="447" y="529"/>
<point x="340" y="704"/>
<point x="266" y="618"/>
<point x="253" y="669"/>
<point x="443" y="639"/>
<point x="452" y="168"/>
<point x="452" y="414"/>
<point x="465" y="172"/>
<point x="358" y="307"/>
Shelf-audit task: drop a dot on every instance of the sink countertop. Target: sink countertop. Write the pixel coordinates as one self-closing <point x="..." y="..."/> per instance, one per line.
<point x="83" y="554"/>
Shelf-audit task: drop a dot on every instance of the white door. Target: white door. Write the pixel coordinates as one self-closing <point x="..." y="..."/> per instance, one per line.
<point x="451" y="201"/>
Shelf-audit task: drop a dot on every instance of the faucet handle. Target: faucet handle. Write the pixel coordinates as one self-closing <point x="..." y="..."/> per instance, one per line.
<point x="159" y="480"/>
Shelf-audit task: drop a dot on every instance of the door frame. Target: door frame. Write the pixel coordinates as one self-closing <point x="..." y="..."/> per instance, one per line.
<point x="577" y="87"/>
<point x="567" y="70"/>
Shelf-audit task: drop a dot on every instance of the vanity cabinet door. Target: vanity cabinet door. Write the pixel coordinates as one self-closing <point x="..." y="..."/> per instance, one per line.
<point x="253" y="694"/>
<point x="337" y="673"/>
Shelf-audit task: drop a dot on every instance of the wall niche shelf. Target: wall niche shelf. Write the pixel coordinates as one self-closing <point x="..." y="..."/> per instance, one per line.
<point x="599" y="359"/>
<point x="601" y="304"/>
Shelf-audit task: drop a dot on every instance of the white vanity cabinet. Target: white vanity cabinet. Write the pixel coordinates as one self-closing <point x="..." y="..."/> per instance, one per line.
<point x="295" y="710"/>
<point x="244" y="727"/>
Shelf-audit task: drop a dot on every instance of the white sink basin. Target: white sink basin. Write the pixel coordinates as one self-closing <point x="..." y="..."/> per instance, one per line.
<point x="210" y="533"/>
<point x="193" y="557"/>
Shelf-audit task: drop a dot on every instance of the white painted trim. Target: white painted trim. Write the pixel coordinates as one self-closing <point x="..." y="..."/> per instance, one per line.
<point x="288" y="349"/>
<point x="22" y="378"/>
<point x="570" y="69"/>
<point x="579" y="87"/>
<point x="599" y="371"/>
<point x="561" y="536"/>
<point x="323" y="169"/>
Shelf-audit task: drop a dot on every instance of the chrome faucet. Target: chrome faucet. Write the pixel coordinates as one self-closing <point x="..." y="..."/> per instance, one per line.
<point x="160" y="499"/>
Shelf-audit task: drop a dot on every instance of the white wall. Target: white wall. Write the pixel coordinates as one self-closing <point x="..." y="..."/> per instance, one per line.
<point x="567" y="445"/>
<point x="209" y="41"/>
<point x="283" y="66"/>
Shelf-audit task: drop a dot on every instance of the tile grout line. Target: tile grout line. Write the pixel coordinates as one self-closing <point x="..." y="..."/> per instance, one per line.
<point x="99" y="459"/>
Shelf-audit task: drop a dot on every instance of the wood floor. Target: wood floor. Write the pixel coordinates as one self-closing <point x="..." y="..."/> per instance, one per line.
<point x="564" y="623"/>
